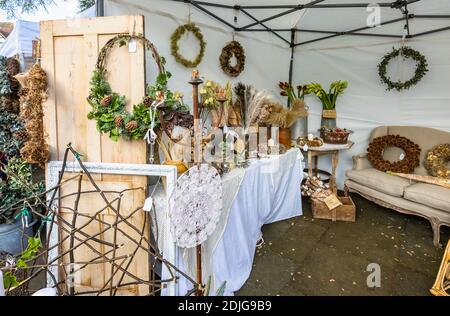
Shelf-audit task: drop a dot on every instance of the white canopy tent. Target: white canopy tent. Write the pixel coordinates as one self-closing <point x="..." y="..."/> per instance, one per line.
<point x="19" y="42"/>
<point x="365" y="105"/>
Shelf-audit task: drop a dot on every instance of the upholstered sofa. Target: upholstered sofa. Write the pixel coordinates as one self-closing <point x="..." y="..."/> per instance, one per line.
<point x="426" y="200"/>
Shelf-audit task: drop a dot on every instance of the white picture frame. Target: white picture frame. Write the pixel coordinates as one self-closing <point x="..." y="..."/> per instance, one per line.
<point x="169" y="172"/>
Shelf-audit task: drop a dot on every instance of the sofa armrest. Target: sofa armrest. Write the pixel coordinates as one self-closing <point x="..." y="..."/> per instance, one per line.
<point x="361" y="162"/>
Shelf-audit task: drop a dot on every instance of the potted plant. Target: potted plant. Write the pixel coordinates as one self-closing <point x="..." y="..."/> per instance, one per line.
<point x="296" y="99"/>
<point x="15" y="187"/>
<point x="328" y="100"/>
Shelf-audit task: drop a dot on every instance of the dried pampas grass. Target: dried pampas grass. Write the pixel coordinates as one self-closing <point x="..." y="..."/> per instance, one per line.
<point x="33" y="93"/>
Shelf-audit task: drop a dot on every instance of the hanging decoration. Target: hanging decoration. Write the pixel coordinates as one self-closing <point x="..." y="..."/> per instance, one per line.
<point x="437" y="161"/>
<point x="405" y="165"/>
<point x="5" y="86"/>
<point x="109" y="107"/>
<point x="405" y="52"/>
<point x="180" y="31"/>
<point x="35" y="148"/>
<point x="233" y="48"/>
<point x="195" y="206"/>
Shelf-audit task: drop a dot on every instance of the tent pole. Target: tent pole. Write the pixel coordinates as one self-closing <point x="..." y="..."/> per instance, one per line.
<point x="291" y="65"/>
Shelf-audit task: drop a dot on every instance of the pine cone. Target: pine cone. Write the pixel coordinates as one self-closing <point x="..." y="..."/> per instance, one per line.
<point x="148" y="101"/>
<point x="131" y="125"/>
<point x="118" y="120"/>
<point x="13" y="66"/>
<point x="106" y="100"/>
<point x="22" y="134"/>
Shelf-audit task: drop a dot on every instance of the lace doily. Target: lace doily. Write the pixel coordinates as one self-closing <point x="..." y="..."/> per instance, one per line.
<point x="195" y="206"/>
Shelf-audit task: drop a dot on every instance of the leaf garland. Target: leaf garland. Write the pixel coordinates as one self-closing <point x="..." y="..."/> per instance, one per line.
<point x="405" y="52"/>
<point x="180" y="31"/>
<point x="109" y="107"/>
<point x="232" y="48"/>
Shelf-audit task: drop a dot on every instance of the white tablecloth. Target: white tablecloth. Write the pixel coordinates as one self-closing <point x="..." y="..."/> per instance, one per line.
<point x="269" y="192"/>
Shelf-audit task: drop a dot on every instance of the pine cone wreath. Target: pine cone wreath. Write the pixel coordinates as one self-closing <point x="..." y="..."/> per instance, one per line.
<point x="131" y="125"/>
<point x="106" y="101"/>
<point x="118" y="120"/>
<point x="148" y="101"/>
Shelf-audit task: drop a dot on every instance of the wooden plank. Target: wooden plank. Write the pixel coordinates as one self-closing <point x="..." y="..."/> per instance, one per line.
<point x="69" y="55"/>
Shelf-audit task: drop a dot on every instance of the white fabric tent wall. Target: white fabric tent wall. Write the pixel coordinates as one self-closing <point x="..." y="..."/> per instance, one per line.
<point x="365" y="104"/>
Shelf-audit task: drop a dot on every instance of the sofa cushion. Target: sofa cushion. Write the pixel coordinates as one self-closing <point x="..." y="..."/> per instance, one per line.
<point x="380" y="181"/>
<point x="429" y="194"/>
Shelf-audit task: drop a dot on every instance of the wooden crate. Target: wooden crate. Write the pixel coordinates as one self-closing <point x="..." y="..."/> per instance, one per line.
<point x="345" y="212"/>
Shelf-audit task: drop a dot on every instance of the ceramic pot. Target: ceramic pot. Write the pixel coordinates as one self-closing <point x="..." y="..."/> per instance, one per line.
<point x="328" y="122"/>
<point x="284" y="137"/>
<point x="12" y="240"/>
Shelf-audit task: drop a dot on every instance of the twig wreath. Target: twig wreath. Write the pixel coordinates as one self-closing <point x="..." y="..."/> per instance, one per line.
<point x="194" y="29"/>
<point x="233" y="48"/>
<point x="406" y="165"/>
<point x="405" y="52"/>
<point x="109" y="108"/>
<point x="437" y="160"/>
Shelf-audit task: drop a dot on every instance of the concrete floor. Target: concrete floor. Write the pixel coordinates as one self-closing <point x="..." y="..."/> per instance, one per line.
<point x="306" y="256"/>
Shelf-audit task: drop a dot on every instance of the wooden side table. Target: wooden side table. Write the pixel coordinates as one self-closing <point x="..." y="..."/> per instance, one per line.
<point x="314" y="153"/>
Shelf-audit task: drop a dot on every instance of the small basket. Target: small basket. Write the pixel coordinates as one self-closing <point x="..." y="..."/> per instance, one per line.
<point x="333" y="137"/>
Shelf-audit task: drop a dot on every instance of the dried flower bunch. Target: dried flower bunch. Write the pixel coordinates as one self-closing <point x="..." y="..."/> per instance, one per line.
<point x="407" y="165"/>
<point x="437" y="160"/>
<point x="216" y="100"/>
<point x="35" y="149"/>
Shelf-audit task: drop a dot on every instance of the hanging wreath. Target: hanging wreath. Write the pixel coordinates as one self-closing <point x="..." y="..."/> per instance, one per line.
<point x="437" y="160"/>
<point x="109" y="108"/>
<point x="406" y="165"/>
<point x="233" y="48"/>
<point x="194" y="29"/>
<point x="405" y="52"/>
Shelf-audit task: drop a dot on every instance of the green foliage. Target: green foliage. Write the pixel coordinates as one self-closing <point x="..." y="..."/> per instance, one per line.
<point x="17" y="186"/>
<point x="174" y="48"/>
<point x="329" y="98"/>
<point x="9" y="278"/>
<point x="405" y="52"/>
<point x="9" y="125"/>
<point x="5" y="84"/>
<point x="85" y="4"/>
<point x="14" y="8"/>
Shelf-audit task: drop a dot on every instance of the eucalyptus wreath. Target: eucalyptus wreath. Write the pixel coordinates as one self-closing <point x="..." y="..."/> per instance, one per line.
<point x="109" y="108"/>
<point x="180" y="31"/>
<point x="233" y="48"/>
<point x="405" y="52"/>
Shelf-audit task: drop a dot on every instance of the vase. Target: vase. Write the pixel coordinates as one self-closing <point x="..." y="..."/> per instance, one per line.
<point x="300" y="128"/>
<point x="12" y="239"/>
<point x="284" y="137"/>
<point x="328" y="118"/>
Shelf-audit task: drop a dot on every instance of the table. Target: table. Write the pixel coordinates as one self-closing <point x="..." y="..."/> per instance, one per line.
<point x="314" y="153"/>
<point x="265" y="192"/>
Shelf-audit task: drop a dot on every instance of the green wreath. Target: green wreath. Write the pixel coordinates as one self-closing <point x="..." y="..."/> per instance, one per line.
<point x="233" y="48"/>
<point x="405" y="52"/>
<point x="109" y="108"/>
<point x="194" y="29"/>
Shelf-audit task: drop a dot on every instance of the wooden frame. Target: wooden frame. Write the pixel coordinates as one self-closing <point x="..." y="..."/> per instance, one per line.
<point x="439" y="287"/>
<point x="169" y="172"/>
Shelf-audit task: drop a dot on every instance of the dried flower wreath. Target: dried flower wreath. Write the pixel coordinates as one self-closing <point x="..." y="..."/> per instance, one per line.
<point x="194" y="29"/>
<point x="405" y="52"/>
<point x="233" y="48"/>
<point x="436" y="161"/>
<point x="407" y="165"/>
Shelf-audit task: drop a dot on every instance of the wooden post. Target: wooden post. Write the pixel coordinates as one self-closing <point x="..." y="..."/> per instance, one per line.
<point x="195" y="82"/>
